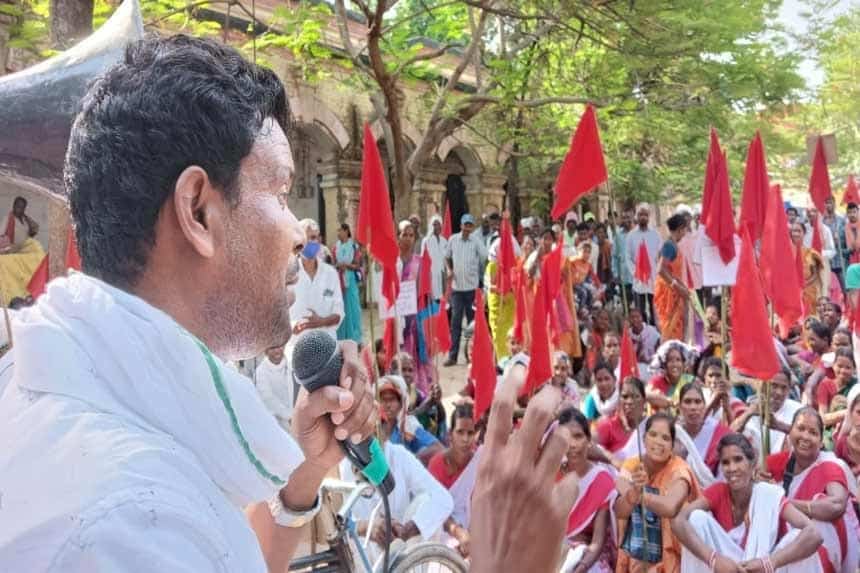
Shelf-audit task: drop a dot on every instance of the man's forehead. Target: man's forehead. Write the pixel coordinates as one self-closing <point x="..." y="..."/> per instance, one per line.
<point x="271" y="157"/>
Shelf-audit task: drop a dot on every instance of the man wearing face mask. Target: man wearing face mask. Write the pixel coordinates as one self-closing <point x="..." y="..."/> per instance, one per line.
<point x="319" y="300"/>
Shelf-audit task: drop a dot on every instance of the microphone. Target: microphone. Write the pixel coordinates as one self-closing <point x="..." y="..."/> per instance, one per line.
<point x="317" y="362"/>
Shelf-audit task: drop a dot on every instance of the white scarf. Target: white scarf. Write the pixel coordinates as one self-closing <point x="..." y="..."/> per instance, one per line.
<point x="123" y="356"/>
<point x="605" y="408"/>
<point x="461" y="491"/>
<point x="695" y="459"/>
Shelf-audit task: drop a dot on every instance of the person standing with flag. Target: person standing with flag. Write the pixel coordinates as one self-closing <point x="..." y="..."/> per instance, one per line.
<point x="643" y="234"/>
<point x="670" y="293"/>
<point x="413" y="337"/>
<point x="436" y="245"/>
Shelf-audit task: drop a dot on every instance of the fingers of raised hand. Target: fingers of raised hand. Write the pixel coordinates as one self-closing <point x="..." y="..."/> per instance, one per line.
<point x="501" y="423"/>
<point x="539" y="414"/>
<point x="359" y="421"/>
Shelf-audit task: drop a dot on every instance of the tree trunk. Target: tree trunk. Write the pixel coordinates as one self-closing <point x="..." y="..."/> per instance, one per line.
<point x="71" y="21"/>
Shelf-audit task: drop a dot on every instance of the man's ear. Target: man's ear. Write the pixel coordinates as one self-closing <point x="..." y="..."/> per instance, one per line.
<point x="199" y="209"/>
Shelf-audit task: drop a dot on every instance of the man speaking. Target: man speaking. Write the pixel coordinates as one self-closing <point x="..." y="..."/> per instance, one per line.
<point x="125" y="443"/>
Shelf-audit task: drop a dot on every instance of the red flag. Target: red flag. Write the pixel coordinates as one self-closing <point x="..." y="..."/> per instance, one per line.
<point x="540" y="365"/>
<point x="39" y="281"/>
<point x="851" y="195"/>
<point x="629" y="365"/>
<point x="719" y="222"/>
<point x="425" y="280"/>
<point x="756" y="188"/>
<point x="753" y="352"/>
<point x="482" y="371"/>
<point x="73" y="259"/>
<point x="441" y="341"/>
<point x="819" y="179"/>
<point x="550" y="274"/>
<point x="520" y="316"/>
<point x="583" y="168"/>
<point x="375" y="226"/>
<point x="714" y="154"/>
<point x="643" y="265"/>
<point x="506" y="258"/>
<point x="447" y="228"/>
<point x="780" y="281"/>
<point x="389" y="340"/>
<point x="817" y="244"/>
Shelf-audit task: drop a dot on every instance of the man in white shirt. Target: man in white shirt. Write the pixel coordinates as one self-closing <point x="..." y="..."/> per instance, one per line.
<point x="126" y="445"/>
<point x="275" y="386"/>
<point x="437" y="245"/>
<point x="642" y="233"/>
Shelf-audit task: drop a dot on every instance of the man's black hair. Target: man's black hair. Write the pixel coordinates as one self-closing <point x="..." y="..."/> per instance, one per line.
<point x="170" y="103"/>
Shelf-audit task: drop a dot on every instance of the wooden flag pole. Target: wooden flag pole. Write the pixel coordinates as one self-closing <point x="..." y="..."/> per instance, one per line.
<point x="374" y="365"/>
<point x="724" y="296"/>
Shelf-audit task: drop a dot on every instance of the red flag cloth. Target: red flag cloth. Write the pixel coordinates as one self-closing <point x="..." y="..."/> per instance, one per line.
<point x="10" y="228"/>
<point x="375" y="226"/>
<point x="425" y="280"/>
<point x="714" y="153"/>
<point x="817" y="244"/>
<point x="506" y="257"/>
<point x="389" y="340"/>
<point x="540" y="365"/>
<point x="629" y="365"/>
<point x="520" y="313"/>
<point x="73" y="259"/>
<point x="643" y="264"/>
<point x="441" y="340"/>
<point x="753" y="352"/>
<point x="756" y="189"/>
<point x="39" y="281"/>
<point x="550" y="275"/>
<point x="583" y="168"/>
<point x="482" y="371"/>
<point x="447" y="227"/>
<point x="780" y="281"/>
<point x="852" y="195"/>
<point x="719" y="223"/>
<point x="819" y="179"/>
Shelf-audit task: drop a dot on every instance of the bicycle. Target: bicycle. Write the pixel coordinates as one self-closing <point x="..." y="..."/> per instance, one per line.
<point x="427" y="556"/>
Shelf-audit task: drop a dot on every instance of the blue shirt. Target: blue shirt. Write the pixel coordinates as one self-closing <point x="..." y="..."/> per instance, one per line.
<point x="422" y="439"/>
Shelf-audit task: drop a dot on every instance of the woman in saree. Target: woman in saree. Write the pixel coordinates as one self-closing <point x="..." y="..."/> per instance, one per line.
<point x="811" y="269"/>
<point x="501" y="306"/>
<point x="20" y="253"/>
<point x="782" y="409"/>
<point x="670" y="293"/>
<point x="699" y="433"/>
<point x="662" y="483"/>
<point x="413" y="336"/>
<point x="348" y="263"/>
<point x="819" y="485"/>
<point x="591" y="544"/>
<point x="847" y="447"/>
<point x="456" y="468"/>
<point x="673" y="359"/>
<point x="601" y="402"/>
<point x="523" y="294"/>
<point x="616" y="434"/>
<point x="569" y="340"/>
<point x="742" y="525"/>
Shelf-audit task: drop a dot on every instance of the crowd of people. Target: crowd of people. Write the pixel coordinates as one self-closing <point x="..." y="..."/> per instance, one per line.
<point x="670" y="465"/>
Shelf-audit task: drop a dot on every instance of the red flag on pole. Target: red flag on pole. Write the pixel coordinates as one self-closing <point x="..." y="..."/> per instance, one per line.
<point x="780" y="280"/>
<point x="425" y="280"/>
<point x="642" y="272"/>
<point x="819" y="179"/>
<point x="719" y="222"/>
<point x="756" y="188"/>
<point x="520" y="313"/>
<point x="441" y="340"/>
<point x="375" y="226"/>
<point x="389" y="340"/>
<point x="73" y="259"/>
<point x="550" y="275"/>
<point x="583" y="168"/>
<point x="482" y="371"/>
<point x="39" y="281"/>
<point x="817" y="244"/>
<point x="540" y="365"/>
<point x="506" y="258"/>
<point x="629" y="365"/>
<point x="714" y="155"/>
<point x="852" y="195"/>
<point x="753" y="352"/>
<point x="447" y="227"/>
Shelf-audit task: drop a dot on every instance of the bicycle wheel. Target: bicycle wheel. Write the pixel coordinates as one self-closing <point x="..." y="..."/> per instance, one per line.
<point x="428" y="557"/>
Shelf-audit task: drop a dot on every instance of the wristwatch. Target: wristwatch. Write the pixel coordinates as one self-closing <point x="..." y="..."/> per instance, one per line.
<point x="286" y="517"/>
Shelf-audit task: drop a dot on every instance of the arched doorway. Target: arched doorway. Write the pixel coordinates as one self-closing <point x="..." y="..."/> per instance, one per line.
<point x="314" y="152"/>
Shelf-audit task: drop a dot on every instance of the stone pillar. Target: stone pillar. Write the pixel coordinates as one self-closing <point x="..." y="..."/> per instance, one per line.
<point x="341" y="188"/>
<point x="59" y="223"/>
<point x="491" y="192"/>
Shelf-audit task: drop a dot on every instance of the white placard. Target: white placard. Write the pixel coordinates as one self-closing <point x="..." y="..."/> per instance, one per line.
<point x="406" y="304"/>
<point x="714" y="271"/>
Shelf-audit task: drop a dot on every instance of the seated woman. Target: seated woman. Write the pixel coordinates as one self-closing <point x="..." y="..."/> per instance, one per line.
<point x="589" y="526"/>
<point x="740" y="524"/>
<point x="617" y="434"/>
<point x="699" y="434"/>
<point x="456" y="468"/>
<point x="831" y="392"/>
<point x="399" y="427"/>
<point x="847" y="446"/>
<point x="612" y="351"/>
<point x="782" y="410"/>
<point x="672" y="359"/>
<point x="662" y="483"/>
<point x="819" y="484"/>
<point x="20" y="253"/>
<point x="722" y="405"/>
<point x="561" y="379"/>
<point x="602" y="399"/>
<point x="419" y="504"/>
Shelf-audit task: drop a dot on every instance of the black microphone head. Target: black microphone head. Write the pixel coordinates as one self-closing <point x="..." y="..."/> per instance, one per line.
<point x="317" y="360"/>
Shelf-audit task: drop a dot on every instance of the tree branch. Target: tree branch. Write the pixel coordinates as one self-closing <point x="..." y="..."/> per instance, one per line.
<point x="432" y="55"/>
<point x="532" y="103"/>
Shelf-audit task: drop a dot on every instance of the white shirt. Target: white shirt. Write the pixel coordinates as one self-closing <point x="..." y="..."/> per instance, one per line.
<point x="275" y="386"/>
<point x="827" y="245"/>
<point x="653" y="242"/>
<point x="417" y="496"/>
<point x="321" y="294"/>
<point x="437" y="246"/>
